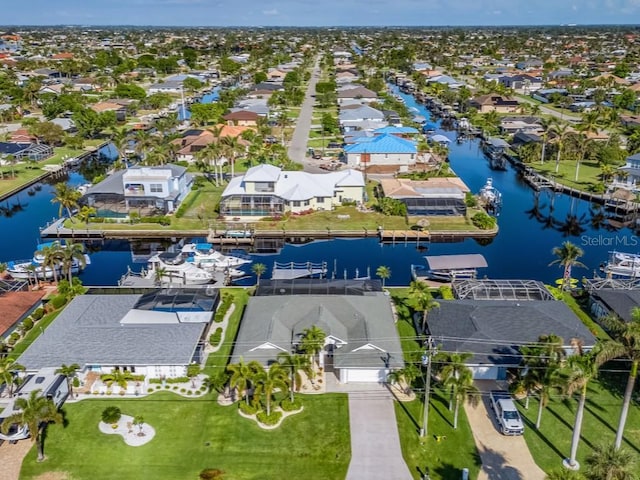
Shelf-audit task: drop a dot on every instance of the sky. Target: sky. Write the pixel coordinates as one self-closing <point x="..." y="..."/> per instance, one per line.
<point x="320" y="12"/>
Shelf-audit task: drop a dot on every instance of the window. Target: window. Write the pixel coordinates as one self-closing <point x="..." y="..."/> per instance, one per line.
<point x="305" y="203"/>
<point x="296" y="203"/>
<point x="156" y="188"/>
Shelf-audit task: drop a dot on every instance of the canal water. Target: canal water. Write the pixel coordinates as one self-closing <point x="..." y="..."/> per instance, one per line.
<point x="531" y="225"/>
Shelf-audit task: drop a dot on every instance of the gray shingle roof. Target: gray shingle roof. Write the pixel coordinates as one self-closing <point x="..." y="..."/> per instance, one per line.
<point x="620" y="302"/>
<point x="493" y="329"/>
<point x="272" y="324"/>
<point x="89" y="332"/>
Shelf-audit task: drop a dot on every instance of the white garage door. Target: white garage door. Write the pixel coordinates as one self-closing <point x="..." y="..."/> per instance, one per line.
<point x="361" y="375"/>
<point x="485" y="373"/>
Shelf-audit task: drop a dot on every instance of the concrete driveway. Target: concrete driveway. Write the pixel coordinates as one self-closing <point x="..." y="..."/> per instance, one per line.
<point x="375" y="443"/>
<point x="503" y="457"/>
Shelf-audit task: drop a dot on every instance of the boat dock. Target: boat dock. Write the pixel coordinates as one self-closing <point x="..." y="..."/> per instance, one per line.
<point x="293" y="270"/>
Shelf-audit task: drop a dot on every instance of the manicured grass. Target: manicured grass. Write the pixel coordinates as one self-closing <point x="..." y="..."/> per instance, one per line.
<point x="445" y="458"/>
<point x="580" y="309"/>
<point x="193" y="434"/>
<point x="17" y="176"/>
<point x="219" y="359"/>
<point x="589" y="173"/>
<point x="38" y="329"/>
<point x="552" y="443"/>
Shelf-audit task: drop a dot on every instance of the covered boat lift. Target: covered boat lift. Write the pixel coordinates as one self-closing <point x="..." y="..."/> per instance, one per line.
<point x="449" y="267"/>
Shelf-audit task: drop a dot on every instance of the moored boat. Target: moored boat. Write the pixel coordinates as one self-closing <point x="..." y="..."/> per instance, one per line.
<point x="204" y="256"/>
<point x="490" y="197"/>
<point x="622" y="264"/>
<point x="172" y="268"/>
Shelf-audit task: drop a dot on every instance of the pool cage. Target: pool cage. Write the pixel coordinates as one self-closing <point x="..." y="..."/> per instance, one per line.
<point x="517" y="290"/>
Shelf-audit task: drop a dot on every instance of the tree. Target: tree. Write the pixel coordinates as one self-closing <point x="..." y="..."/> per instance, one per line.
<point x="258" y="269"/>
<point x="36" y="412"/>
<point x="8" y="369"/>
<point x="608" y="462"/>
<point x="69" y="372"/>
<point x="138" y="420"/>
<point x="543" y="361"/>
<point x="52" y="257"/>
<point x="193" y="370"/>
<point x="422" y="300"/>
<point x="462" y="388"/>
<point x="67" y="197"/>
<point x="90" y="123"/>
<point x="231" y="148"/>
<point x="85" y="214"/>
<point x="72" y="254"/>
<point x="111" y="415"/>
<point x="625" y="343"/>
<point x="560" y="132"/>
<point x="267" y="381"/>
<point x="312" y="341"/>
<point x="564" y="474"/>
<point x="568" y="255"/>
<point x="242" y="375"/>
<point x="580" y="370"/>
<point x="129" y="90"/>
<point x="453" y="367"/>
<point x="384" y="273"/>
<point x="296" y="364"/>
<point x="404" y="375"/>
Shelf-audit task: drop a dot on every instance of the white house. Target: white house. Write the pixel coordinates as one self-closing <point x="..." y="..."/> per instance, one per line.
<point x="266" y="191"/>
<point x="163" y="187"/>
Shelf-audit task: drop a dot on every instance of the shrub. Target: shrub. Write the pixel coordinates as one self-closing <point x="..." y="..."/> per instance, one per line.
<point x="211" y="474"/>
<point x="247" y="409"/>
<point x="150" y="390"/>
<point x="37" y="314"/>
<point x="215" y="338"/>
<point x="288" y="406"/>
<point x="470" y="200"/>
<point x="483" y="221"/>
<point x="111" y="414"/>
<point x="58" y="301"/>
<point x="13" y="339"/>
<point x="446" y="293"/>
<point x="269" y="419"/>
<point x="27" y="324"/>
<point x="182" y="390"/>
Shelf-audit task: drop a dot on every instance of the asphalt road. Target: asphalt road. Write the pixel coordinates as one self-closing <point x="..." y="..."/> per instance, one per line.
<point x="298" y="145"/>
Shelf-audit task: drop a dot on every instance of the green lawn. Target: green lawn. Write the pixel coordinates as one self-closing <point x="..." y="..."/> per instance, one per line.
<point x="193" y="434"/>
<point x="589" y="173"/>
<point x="38" y="329"/>
<point x="552" y="443"/>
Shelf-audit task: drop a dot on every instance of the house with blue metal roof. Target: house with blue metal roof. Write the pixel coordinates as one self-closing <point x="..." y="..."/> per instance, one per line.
<point x="382" y="149"/>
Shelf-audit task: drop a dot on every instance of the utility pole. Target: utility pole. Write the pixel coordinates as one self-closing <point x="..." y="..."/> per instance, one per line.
<point x="427" y="358"/>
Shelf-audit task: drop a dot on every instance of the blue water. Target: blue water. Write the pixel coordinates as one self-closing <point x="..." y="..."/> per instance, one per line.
<point x="522" y="249"/>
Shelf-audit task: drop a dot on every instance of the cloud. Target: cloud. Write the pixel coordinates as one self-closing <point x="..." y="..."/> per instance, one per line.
<point x="270" y="13"/>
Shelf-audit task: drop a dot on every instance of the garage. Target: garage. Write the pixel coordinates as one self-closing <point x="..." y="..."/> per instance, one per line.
<point x="362" y="375"/>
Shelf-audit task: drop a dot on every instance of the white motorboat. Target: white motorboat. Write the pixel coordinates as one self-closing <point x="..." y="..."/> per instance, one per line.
<point x="28" y="269"/>
<point x="622" y="265"/>
<point x="172" y="268"/>
<point x="204" y="256"/>
<point x="490" y="197"/>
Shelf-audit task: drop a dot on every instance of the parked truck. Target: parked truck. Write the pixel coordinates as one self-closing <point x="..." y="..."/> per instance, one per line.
<point x="509" y="419"/>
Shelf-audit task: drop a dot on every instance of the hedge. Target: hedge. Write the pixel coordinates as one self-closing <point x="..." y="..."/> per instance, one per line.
<point x="269" y="419"/>
<point x="215" y="338"/>
<point x="288" y="406"/>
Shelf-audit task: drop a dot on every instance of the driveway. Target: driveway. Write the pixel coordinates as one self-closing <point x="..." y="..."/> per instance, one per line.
<point x="298" y="145"/>
<point x="375" y="443"/>
<point x="503" y="457"/>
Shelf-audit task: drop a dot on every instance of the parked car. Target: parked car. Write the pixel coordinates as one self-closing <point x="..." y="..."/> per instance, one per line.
<point x="506" y="412"/>
<point x="334" y="145"/>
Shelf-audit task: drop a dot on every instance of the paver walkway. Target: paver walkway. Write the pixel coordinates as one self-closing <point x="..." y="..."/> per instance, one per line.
<point x="375" y="443"/>
<point x="503" y="457"/>
<point x="11" y="457"/>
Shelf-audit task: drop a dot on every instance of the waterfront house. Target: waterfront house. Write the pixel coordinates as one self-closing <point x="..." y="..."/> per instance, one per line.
<point x="267" y="191"/>
<point x="144" y="190"/>
<point x="492" y="318"/>
<point x="511" y="125"/>
<point x="33" y="152"/>
<point x="494" y="103"/>
<point x="361" y="343"/>
<point x="156" y="334"/>
<point x="629" y="174"/>
<point x="381" y="150"/>
<point x="165" y="87"/>
<point x="433" y="196"/>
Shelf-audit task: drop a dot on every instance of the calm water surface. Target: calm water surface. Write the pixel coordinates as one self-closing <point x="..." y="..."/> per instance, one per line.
<point x="531" y="225"/>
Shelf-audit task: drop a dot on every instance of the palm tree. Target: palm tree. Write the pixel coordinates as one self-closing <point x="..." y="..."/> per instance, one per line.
<point x="69" y="372"/>
<point x="232" y="148"/>
<point x="242" y="375"/>
<point x="454" y="366"/>
<point x="85" y="214"/>
<point x="420" y="296"/>
<point x="36" y="412"/>
<point x="384" y="273"/>
<point x="560" y="132"/>
<point x="8" y="369"/>
<point x="543" y="360"/>
<point x="568" y="255"/>
<point x="71" y="254"/>
<point x="52" y="256"/>
<point x="581" y="369"/>
<point x="296" y="363"/>
<point x="564" y="474"/>
<point x="312" y="341"/>
<point x="258" y="269"/>
<point x="626" y="344"/>
<point x="608" y="462"/>
<point x="267" y="381"/>
<point x="67" y="197"/>
<point x="405" y="375"/>
<point x="462" y="388"/>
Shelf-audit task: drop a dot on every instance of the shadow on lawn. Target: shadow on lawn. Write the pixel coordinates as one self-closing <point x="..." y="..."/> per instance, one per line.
<point x="532" y="427"/>
<point x="606" y="424"/>
<point x="406" y="410"/>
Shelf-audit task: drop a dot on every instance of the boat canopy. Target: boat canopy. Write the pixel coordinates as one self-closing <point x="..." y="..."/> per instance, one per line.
<point x="456" y="262"/>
